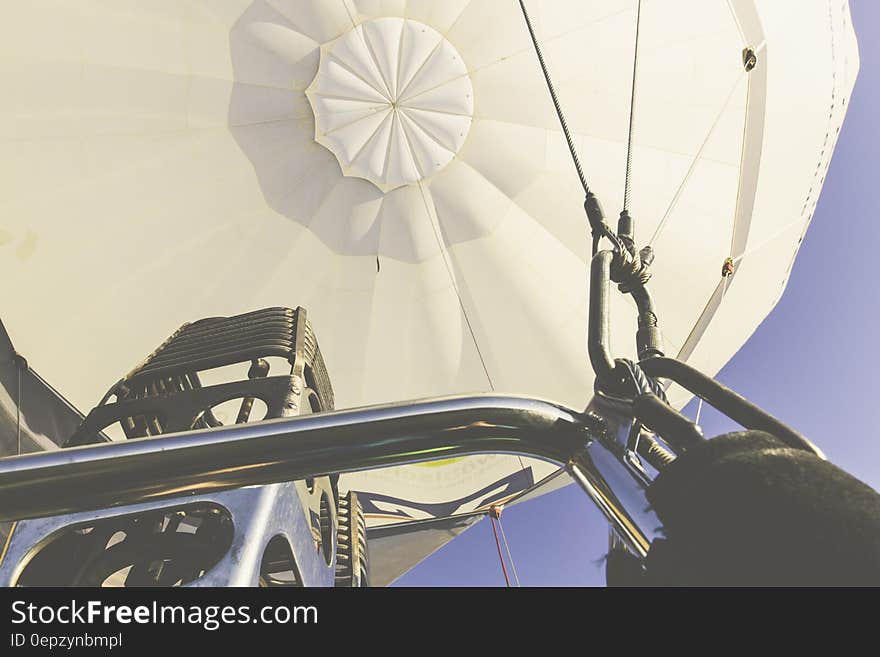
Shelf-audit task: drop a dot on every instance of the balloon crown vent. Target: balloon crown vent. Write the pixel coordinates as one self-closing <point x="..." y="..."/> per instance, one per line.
<point x="392" y="100"/>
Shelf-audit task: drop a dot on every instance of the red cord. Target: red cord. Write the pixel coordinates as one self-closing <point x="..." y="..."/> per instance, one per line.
<point x="498" y="545"/>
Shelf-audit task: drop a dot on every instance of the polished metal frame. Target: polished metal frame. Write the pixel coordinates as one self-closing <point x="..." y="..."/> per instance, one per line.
<point x="259" y="514"/>
<point x="201" y="462"/>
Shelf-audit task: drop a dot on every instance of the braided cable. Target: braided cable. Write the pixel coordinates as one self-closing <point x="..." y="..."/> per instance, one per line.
<point x="555" y="99"/>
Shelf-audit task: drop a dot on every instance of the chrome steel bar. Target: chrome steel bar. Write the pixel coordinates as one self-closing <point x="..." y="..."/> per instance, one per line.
<point x="589" y="478"/>
<point x="210" y="460"/>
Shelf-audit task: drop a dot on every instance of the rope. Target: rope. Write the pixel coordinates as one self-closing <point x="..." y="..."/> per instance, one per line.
<point x="498" y="546"/>
<point x="695" y="160"/>
<point x="632" y="269"/>
<point x="727" y="270"/>
<point x="452" y="279"/>
<point x="632" y="111"/>
<point x="507" y="549"/>
<point x="18" y="410"/>
<point x="591" y="204"/>
<point x="643" y="383"/>
<point x="435" y="227"/>
<point x="556" y="105"/>
<point x="20" y="364"/>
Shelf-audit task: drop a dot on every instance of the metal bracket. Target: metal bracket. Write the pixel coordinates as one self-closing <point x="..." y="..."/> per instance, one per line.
<point x="171" y="541"/>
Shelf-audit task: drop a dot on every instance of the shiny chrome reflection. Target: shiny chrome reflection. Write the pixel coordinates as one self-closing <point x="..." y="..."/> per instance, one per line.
<point x="222" y="458"/>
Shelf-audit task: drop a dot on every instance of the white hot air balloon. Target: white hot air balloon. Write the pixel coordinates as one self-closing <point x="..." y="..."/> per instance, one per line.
<point x="397" y="168"/>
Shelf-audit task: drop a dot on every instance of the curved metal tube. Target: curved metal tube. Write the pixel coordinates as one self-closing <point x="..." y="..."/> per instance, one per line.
<point x="732" y="404"/>
<point x="210" y="460"/>
<point x="131" y="471"/>
<point x="598" y="337"/>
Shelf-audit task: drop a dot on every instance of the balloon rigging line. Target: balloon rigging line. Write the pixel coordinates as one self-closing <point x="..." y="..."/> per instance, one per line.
<point x="498" y="547"/>
<point x="592" y="206"/>
<point x="695" y="160"/>
<point x="562" y="122"/>
<point x="448" y="264"/>
<point x="507" y="549"/>
<point x="476" y="69"/>
<point x="449" y="270"/>
<point x="471" y="71"/>
<point x="735" y="16"/>
<point x="779" y="233"/>
<point x="18" y="410"/>
<point x="632" y="111"/>
<point x="624" y="250"/>
<point x="725" y="282"/>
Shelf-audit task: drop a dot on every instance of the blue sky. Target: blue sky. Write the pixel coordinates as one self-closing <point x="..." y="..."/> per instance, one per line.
<point x="814" y="362"/>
